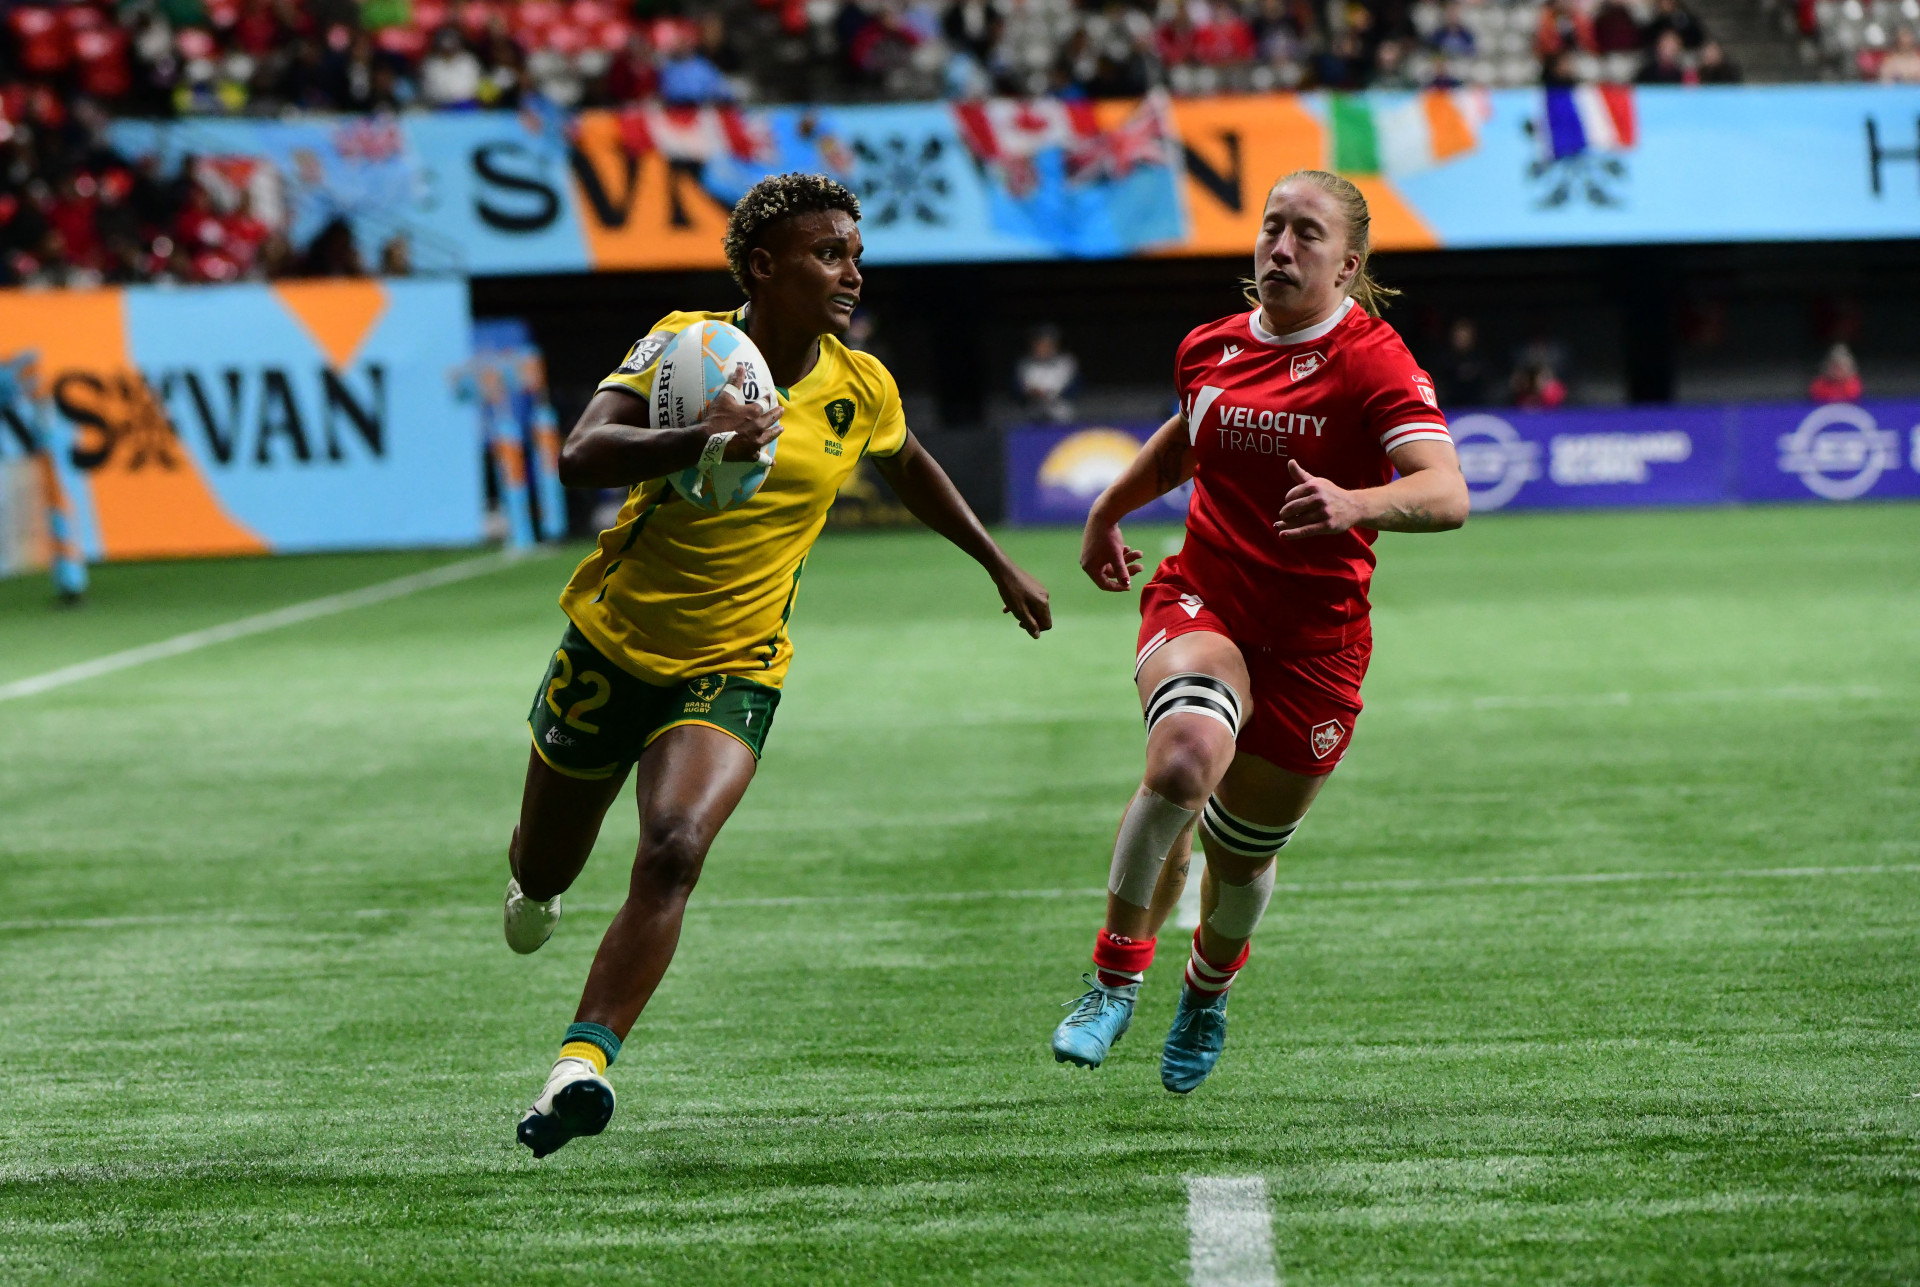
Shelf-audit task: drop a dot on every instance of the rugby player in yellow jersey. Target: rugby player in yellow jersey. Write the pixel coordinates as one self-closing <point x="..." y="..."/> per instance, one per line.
<point x="676" y="643"/>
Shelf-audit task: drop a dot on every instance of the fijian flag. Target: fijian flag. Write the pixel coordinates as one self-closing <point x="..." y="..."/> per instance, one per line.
<point x="1586" y="118"/>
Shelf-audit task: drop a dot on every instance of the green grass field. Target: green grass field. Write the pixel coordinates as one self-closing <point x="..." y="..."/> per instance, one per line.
<point x="1599" y="961"/>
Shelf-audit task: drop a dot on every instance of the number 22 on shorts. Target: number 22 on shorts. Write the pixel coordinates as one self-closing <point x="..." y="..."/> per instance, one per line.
<point x="593" y="679"/>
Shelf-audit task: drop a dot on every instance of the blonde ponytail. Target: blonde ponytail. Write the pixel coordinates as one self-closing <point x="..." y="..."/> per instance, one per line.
<point x="1366" y="291"/>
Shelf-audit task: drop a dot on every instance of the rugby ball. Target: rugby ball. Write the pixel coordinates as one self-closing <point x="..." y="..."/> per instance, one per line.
<point x="693" y="372"/>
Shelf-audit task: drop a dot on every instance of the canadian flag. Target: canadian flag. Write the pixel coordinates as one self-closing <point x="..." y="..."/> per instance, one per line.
<point x="695" y="133"/>
<point x="1007" y="133"/>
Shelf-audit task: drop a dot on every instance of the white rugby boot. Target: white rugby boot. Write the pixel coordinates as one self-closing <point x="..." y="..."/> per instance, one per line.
<point x="575" y="1101"/>
<point x="528" y="921"/>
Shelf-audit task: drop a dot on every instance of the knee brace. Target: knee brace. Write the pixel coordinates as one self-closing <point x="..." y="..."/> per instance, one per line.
<point x="1148" y="831"/>
<point x="1245" y="839"/>
<point x="1195" y="694"/>
<point x="1238" y="908"/>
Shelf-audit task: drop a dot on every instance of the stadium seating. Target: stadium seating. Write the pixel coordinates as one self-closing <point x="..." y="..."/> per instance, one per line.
<point x="1870" y="39"/>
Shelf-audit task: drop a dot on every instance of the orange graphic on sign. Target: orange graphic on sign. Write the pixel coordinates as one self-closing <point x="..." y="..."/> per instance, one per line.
<point x="149" y="498"/>
<point x="638" y="209"/>
<point x="1237" y="146"/>
<point x="338" y="315"/>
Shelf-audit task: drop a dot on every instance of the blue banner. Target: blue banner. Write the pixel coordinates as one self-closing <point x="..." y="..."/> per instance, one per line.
<point x="1568" y="459"/>
<point x="650" y="187"/>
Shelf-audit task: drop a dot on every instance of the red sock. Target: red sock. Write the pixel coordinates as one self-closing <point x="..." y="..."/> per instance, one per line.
<point x="1207" y="976"/>
<point x="1118" y="961"/>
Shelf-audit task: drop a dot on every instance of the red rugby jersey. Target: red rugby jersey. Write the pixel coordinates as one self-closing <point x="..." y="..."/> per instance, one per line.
<point x="1335" y="397"/>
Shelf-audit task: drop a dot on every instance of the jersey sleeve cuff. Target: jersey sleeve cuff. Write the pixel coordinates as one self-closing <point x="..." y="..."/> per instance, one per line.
<point x="1416" y="431"/>
<point x="624" y="383"/>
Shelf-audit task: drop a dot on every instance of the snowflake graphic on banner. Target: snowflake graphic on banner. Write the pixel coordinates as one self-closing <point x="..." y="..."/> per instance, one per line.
<point x="898" y="181"/>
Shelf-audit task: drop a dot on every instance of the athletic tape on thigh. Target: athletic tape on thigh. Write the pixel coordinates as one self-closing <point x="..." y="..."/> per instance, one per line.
<point x="1238" y="836"/>
<point x="1237" y="909"/>
<point x="1148" y="831"/>
<point x="1195" y="694"/>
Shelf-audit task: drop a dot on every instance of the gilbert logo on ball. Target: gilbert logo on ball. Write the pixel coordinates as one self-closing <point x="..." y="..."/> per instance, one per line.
<point x="693" y="372"/>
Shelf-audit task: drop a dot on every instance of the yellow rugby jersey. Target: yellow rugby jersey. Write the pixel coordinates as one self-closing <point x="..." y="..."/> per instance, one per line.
<point x="673" y="591"/>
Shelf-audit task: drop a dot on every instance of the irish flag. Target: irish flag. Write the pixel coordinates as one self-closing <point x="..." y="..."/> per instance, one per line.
<point x="1394" y="135"/>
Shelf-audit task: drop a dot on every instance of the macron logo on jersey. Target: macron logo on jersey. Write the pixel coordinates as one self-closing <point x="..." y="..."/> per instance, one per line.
<point x="1231" y="352"/>
<point x="1203" y="400"/>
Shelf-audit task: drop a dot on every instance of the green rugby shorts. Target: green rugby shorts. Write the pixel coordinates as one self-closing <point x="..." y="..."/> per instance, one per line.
<point x="591" y="719"/>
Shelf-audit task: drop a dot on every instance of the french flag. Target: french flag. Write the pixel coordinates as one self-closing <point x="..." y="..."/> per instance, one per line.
<point x="1588" y="118"/>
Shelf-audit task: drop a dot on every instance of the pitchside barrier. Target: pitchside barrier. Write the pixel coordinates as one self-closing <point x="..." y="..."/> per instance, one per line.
<point x="252" y="419"/>
<point x="1632" y="456"/>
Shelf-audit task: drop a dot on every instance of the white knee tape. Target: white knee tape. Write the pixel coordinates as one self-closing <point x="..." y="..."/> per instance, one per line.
<point x="1239" y="908"/>
<point x="1148" y="831"/>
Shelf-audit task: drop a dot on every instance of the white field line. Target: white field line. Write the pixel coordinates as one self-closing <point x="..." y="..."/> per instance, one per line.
<point x="1187" y="914"/>
<point x="260" y="623"/>
<point x="1320" y="889"/>
<point x="1229" y="1232"/>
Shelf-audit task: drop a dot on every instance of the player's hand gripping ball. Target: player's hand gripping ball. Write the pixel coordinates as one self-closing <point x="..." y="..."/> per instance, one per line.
<point x="693" y="372"/>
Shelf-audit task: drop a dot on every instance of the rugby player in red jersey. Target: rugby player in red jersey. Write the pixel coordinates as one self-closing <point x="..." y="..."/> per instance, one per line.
<point x="1296" y="418"/>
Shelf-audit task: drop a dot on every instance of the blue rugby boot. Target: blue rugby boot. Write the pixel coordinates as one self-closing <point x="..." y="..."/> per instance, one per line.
<point x="1194" y="1043"/>
<point x="1100" y="1017"/>
<point x="575" y="1101"/>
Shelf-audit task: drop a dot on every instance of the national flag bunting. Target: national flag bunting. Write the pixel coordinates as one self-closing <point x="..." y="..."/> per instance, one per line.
<point x="1586" y="118"/>
<point x="1397" y="135"/>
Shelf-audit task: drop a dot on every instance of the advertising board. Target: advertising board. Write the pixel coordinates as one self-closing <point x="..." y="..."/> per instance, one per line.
<point x="1565" y="459"/>
<point x="251" y="419"/>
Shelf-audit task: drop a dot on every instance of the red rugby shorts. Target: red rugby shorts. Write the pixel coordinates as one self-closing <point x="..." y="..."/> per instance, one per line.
<point x="1303" y="707"/>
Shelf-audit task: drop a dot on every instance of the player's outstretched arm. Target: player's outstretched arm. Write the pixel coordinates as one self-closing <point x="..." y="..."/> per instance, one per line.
<point x="611" y="447"/>
<point x="924" y="488"/>
<point x="1159" y="467"/>
<point x="1429" y="496"/>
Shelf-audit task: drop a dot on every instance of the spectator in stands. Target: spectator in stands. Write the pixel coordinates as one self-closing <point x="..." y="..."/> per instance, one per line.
<point x="1615" y="29"/>
<point x="1390" y="67"/>
<point x="973" y="28"/>
<point x="353" y="77"/>
<point x="1665" y="65"/>
<point x="1839" y="378"/>
<point x="1564" y="29"/>
<point x="1464" y="374"/>
<point x="633" y="75"/>
<point x="1344" y="63"/>
<point x="1536" y="388"/>
<point x="1452" y="37"/>
<point x="450" y="75"/>
<point x="1047" y="377"/>
<point x="1282" y="35"/>
<point x="689" y="76"/>
<point x="1715" y="68"/>
<point x="505" y="67"/>
<point x="1901" y="66"/>
<point x="1120" y="39"/>
<point x="1671" y="15"/>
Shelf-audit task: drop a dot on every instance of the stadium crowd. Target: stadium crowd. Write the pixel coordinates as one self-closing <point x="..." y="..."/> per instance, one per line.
<point x="197" y="57"/>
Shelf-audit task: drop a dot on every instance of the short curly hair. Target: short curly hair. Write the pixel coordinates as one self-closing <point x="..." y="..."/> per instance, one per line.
<point x="775" y="198"/>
